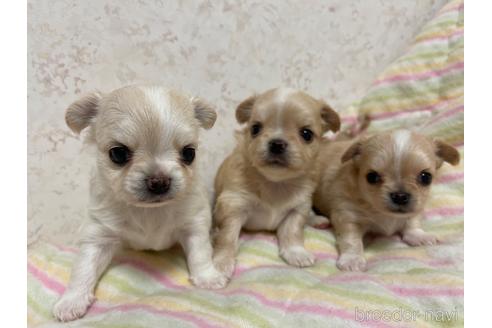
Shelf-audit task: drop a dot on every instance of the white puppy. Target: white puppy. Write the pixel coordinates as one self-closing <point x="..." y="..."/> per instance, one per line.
<point x="145" y="191"/>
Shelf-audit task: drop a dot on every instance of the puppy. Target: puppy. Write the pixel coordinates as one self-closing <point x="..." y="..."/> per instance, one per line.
<point x="267" y="182"/>
<point x="145" y="191"/>
<point x="379" y="184"/>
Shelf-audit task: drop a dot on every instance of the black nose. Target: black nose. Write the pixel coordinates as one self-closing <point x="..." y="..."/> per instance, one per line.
<point x="277" y="146"/>
<point x="400" y="198"/>
<point x="158" y="184"/>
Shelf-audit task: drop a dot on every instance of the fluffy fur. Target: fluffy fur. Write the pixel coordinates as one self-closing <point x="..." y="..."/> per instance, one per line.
<point x="357" y="206"/>
<point x="155" y="124"/>
<point x="260" y="190"/>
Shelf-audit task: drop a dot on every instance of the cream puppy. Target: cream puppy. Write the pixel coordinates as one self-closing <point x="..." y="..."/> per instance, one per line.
<point x="379" y="184"/>
<point x="267" y="182"/>
<point x="145" y="190"/>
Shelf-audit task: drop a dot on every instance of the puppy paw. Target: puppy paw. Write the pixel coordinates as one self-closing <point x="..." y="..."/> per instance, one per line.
<point x="225" y="264"/>
<point x="209" y="279"/>
<point x="298" y="256"/>
<point x="420" y="238"/>
<point x="319" y="221"/>
<point x="72" y="305"/>
<point x="351" y="262"/>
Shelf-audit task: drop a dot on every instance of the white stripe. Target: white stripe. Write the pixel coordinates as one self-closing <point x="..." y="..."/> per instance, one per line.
<point x="401" y="140"/>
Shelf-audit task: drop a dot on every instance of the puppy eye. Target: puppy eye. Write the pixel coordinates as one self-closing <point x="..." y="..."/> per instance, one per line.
<point x="424" y="178"/>
<point x="120" y="155"/>
<point x="306" y="134"/>
<point x="188" y="154"/>
<point x="255" y="129"/>
<point x="373" y="177"/>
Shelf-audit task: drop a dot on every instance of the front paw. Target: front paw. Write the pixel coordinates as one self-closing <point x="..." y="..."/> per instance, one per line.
<point x="226" y="264"/>
<point x="420" y="238"/>
<point x="209" y="279"/>
<point x="72" y="305"/>
<point x="298" y="256"/>
<point x="351" y="262"/>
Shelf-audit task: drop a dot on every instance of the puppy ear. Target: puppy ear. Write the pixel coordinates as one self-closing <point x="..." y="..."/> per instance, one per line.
<point x="446" y="152"/>
<point x="243" y="111"/>
<point x="78" y="115"/>
<point x="204" y="113"/>
<point x="331" y="119"/>
<point x="353" y="151"/>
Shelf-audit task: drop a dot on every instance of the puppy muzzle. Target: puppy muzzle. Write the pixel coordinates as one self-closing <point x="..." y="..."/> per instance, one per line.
<point x="277" y="154"/>
<point x="400" y="202"/>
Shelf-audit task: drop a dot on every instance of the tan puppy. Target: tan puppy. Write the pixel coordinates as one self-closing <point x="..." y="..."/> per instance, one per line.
<point x="267" y="182"/>
<point x="378" y="184"/>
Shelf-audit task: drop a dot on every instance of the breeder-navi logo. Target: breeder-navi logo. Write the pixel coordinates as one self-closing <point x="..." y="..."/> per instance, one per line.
<point x="402" y="315"/>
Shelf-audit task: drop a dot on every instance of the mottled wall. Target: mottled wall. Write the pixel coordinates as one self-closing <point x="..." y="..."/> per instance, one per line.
<point x="220" y="50"/>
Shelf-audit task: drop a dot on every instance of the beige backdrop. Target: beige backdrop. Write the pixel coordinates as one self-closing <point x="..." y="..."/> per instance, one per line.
<point x="220" y="50"/>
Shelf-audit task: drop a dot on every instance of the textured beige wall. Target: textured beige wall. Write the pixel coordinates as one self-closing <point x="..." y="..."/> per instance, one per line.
<point x="220" y="50"/>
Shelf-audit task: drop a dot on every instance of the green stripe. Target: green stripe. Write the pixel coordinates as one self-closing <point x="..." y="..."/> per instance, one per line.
<point x="432" y="51"/>
<point x="319" y="236"/>
<point x="416" y="91"/>
<point x="36" y="307"/>
<point x="412" y="58"/>
<point x="123" y="322"/>
<point x="450" y="47"/>
<point x="439" y="25"/>
<point x="258" y="250"/>
<point x="450" y="131"/>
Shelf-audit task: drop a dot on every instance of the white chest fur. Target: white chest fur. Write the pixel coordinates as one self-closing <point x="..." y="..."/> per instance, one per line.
<point x="143" y="228"/>
<point x="268" y="212"/>
<point x="155" y="232"/>
<point x="387" y="225"/>
<point x="263" y="216"/>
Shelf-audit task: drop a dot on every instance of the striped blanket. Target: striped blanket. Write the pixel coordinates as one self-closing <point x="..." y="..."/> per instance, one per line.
<point x="403" y="287"/>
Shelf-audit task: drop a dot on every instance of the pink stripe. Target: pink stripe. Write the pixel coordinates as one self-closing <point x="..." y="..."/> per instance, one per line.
<point x="349" y="119"/>
<point x="66" y="248"/>
<point x="386" y="115"/>
<point x="48" y="282"/>
<point x="430" y="108"/>
<point x="155" y="274"/>
<point x="422" y="292"/>
<point x="268" y="237"/>
<point x="451" y="177"/>
<point x="445" y="114"/>
<point x="199" y="322"/>
<point x="447" y="10"/>
<point x="419" y="41"/>
<point x="421" y="76"/>
<point x="458" y="144"/>
<point x="431" y="262"/>
<point x="305" y="308"/>
<point x="444" y="211"/>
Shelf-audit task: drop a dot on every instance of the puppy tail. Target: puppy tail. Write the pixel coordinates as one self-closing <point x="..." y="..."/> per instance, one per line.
<point x="318" y="221"/>
<point x="355" y="129"/>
